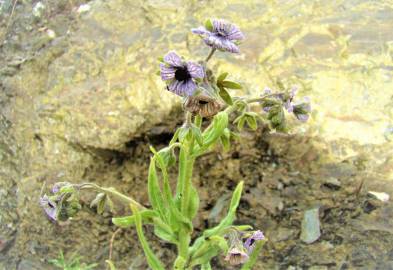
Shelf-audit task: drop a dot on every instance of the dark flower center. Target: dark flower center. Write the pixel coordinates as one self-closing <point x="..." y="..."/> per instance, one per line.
<point x="182" y="74"/>
<point x="221" y="33"/>
<point x="203" y="102"/>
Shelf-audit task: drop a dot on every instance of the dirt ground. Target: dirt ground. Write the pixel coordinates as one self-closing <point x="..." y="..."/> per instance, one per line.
<point x="284" y="176"/>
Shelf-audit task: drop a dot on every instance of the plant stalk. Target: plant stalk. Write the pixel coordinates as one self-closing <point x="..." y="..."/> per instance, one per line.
<point x="213" y="50"/>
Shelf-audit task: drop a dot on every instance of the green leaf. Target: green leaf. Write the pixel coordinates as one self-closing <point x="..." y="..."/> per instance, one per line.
<point x="155" y="195"/>
<point x="222" y="77"/>
<point x="179" y="264"/>
<point x="208" y="249"/>
<point x="225" y="96"/>
<point x="226" y="144"/>
<point x="240" y="122"/>
<point x="243" y="227"/>
<point x="110" y="204"/>
<point x="99" y="202"/>
<point x="166" y="157"/>
<point x="129" y="221"/>
<point x="196" y="132"/>
<point x="67" y="189"/>
<point x="231" y="85"/>
<point x="193" y="205"/>
<point x="251" y="122"/>
<point x="175" y="136"/>
<point x="206" y="266"/>
<point x="236" y="197"/>
<point x="165" y="234"/>
<point x="254" y="255"/>
<point x="212" y="133"/>
<point x="230" y="217"/>
<point x="184" y="134"/>
<point x="152" y="260"/>
<point x="110" y="264"/>
<point x="209" y="25"/>
<point x="225" y="139"/>
<point x="220" y="241"/>
<point x="198" y="121"/>
<point x="182" y="172"/>
<point x="160" y="59"/>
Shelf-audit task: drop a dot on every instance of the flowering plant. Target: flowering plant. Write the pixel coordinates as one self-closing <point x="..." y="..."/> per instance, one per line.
<point x="171" y="213"/>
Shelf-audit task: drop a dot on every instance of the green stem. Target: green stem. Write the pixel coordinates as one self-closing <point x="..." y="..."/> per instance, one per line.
<point x="114" y="193"/>
<point x="187" y="185"/>
<point x="198" y="121"/>
<point x="213" y="50"/>
<point x="259" y="99"/>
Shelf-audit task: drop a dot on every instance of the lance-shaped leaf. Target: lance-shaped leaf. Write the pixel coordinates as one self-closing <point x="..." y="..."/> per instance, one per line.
<point x="206" y="266"/>
<point x="213" y="132"/>
<point x="193" y="205"/>
<point x="163" y="158"/>
<point x="240" y="121"/>
<point x="209" y="25"/>
<point x="276" y="116"/>
<point x="152" y="260"/>
<point x="251" y="122"/>
<point x="166" y="157"/>
<point x="165" y="233"/>
<point x="185" y="133"/>
<point x="99" y="202"/>
<point x="179" y="264"/>
<point x="129" y="221"/>
<point x="175" y="136"/>
<point x="230" y="217"/>
<point x="154" y="191"/>
<point x="222" y="77"/>
<point x="196" y="133"/>
<point x="210" y="248"/>
<point x="225" y="96"/>
<point x="110" y="264"/>
<point x="225" y="139"/>
<point x="231" y="85"/>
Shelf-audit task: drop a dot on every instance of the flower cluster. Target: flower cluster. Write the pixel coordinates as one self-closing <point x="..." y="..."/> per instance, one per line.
<point x="240" y="249"/>
<point x="274" y="104"/>
<point x="63" y="203"/>
<point x="192" y="80"/>
<point x="301" y="109"/>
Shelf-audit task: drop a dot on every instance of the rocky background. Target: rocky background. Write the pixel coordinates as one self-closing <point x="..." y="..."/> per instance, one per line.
<point x="80" y="101"/>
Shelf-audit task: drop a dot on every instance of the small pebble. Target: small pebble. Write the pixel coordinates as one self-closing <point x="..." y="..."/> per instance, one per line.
<point x="84" y="8"/>
<point x="382" y="196"/>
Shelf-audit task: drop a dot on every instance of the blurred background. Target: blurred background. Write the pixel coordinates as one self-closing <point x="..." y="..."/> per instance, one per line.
<point x="80" y="101"/>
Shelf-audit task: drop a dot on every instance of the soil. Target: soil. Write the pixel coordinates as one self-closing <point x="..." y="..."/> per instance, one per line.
<point x="284" y="176"/>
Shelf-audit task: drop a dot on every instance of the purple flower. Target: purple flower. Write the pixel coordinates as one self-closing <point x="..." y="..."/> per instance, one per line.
<point x="236" y="256"/>
<point x="250" y="242"/>
<point x="285" y="98"/>
<point x="49" y="207"/>
<point x="221" y="35"/>
<point x="57" y="186"/>
<point x="180" y="75"/>
<point x="288" y="100"/>
<point x="302" y="110"/>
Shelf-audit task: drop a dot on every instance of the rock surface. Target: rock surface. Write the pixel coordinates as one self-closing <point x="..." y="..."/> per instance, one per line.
<point x="83" y="104"/>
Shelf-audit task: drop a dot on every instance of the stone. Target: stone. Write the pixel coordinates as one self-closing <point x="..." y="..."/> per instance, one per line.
<point x="311" y="230"/>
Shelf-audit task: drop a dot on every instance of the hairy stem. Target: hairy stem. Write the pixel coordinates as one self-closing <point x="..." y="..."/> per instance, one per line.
<point x="213" y="50"/>
<point x="113" y="192"/>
